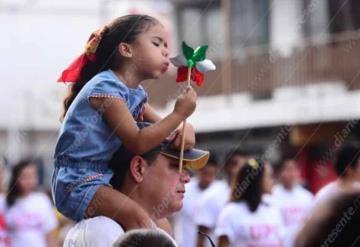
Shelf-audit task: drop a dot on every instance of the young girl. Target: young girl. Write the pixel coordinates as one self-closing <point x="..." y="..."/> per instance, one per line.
<point x="248" y="220"/>
<point x="101" y="112"/>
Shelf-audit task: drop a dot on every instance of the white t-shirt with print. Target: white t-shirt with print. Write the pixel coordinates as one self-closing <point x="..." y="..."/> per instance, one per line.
<point x="294" y="206"/>
<point x="244" y="228"/>
<point x="185" y="227"/>
<point x="93" y="232"/>
<point x="30" y="219"/>
<point x="210" y="205"/>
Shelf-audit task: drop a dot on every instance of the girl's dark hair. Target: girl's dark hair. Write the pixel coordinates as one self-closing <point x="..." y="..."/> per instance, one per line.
<point x="14" y="189"/>
<point x="247" y="185"/>
<point x="122" y="29"/>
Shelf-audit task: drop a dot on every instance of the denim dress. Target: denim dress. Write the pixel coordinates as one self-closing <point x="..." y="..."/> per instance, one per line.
<point x="86" y="144"/>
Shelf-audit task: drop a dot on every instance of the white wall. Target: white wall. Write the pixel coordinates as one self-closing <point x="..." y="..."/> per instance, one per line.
<point x="285" y="25"/>
<point x="37" y="43"/>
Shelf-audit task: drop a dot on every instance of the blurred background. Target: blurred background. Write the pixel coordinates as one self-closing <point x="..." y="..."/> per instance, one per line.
<point x="287" y="75"/>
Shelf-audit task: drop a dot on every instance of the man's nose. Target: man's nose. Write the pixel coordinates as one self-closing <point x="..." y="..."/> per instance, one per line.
<point x="185" y="176"/>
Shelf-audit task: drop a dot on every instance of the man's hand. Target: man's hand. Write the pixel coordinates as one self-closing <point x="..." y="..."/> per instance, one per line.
<point x="189" y="140"/>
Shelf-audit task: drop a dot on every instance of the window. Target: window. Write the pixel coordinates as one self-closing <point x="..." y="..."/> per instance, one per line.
<point x="344" y="15"/>
<point x="202" y="22"/>
<point x="250" y="23"/>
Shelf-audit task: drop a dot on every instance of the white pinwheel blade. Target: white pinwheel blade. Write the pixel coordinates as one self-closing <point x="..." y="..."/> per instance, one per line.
<point x="178" y="61"/>
<point x="205" y="65"/>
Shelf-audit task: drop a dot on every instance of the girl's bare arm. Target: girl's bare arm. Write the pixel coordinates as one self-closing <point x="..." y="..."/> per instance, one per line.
<point x="150" y="115"/>
<point x="137" y="140"/>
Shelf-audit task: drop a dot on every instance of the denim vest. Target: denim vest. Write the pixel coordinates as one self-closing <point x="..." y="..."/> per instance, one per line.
<point x="84" y="135"/>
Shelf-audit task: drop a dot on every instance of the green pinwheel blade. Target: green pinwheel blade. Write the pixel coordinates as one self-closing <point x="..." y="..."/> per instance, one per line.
<point x="187" y="51"/>
<point x="200" y="53"/>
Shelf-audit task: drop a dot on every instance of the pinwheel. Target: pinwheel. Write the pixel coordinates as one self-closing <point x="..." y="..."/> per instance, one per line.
<point x="192" y="65"/>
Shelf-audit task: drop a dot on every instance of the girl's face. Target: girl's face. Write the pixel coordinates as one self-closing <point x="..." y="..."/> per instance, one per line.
<point x="268" y="180"/>
<point x="28" y="179"/>
<point x="150" y="52"/>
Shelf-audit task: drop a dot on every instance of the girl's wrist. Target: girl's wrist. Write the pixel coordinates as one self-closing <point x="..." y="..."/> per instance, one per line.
<point x="177" y="116"/>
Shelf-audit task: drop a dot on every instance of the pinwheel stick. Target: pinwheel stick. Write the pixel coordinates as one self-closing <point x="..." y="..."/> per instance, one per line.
<point x="183" y="128"/>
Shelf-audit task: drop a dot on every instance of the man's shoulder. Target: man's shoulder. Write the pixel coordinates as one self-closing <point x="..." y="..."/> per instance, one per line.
<point x="277" y="190"/>
<point x="236" y="208"/>
<point x="97" y="231"/>
<point x="303" y="193"/>
<point x="327" y="191"/>
<point x="217" y="194"/>
<point x="217" y="187"/>
<point x="298" y="191"/>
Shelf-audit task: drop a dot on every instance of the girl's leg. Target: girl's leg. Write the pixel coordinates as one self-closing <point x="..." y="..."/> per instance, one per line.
<point x="119" y="207"/>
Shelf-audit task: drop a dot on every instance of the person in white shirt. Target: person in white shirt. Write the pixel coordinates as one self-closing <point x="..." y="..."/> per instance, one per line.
<point x="215" y="198"/>
<point x="29" y="215"/>
<point x="291" y="198"/>
<point x="4" y="236"/>
<point x="152" y="180"/>
<point x="185" y="227"/>
<point x="248" y="220"/>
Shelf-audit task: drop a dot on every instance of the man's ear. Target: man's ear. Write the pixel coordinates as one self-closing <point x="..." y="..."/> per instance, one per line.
<point x="125" y="49"/>
<point x="138" y="168"/>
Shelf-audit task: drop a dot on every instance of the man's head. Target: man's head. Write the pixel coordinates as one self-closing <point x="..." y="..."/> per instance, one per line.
<point x="153" y="179"/>
<point x="347" y="163"/>
<point x="145" y="237"/>
<point x="288" y="173"/>
<point x="233" y="161"/>
<point x="207" y="174"/>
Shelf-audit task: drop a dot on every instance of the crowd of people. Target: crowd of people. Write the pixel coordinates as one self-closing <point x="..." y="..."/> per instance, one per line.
<point x="244" y="202"/>
<point x="255" y="206"/>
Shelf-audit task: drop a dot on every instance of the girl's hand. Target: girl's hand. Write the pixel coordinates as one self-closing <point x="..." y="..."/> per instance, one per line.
<point x="189" y="140"/>
<point x="186" y="103"/>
